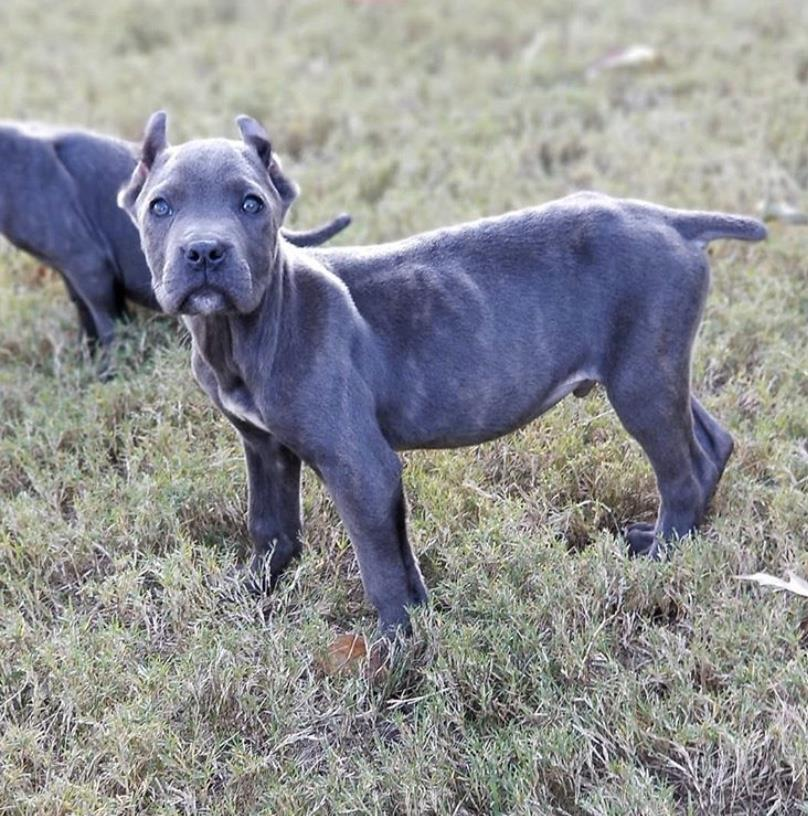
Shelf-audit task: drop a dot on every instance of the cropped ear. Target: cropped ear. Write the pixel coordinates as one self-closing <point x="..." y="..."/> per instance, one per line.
<point x="154" y="138"/>
<point x="154" y="143"/>
<point x="253" y="134"/>
<point x="287" y="189"/>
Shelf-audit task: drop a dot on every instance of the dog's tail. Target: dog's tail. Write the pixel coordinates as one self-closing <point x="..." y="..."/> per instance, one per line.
<point x="318" y="235"/>
<point x="708" y="226"/>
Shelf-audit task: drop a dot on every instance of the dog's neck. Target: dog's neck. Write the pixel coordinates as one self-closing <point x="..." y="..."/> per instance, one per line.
<point x="242" y="346"/>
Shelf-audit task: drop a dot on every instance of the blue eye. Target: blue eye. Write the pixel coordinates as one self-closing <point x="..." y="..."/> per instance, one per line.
<point x="160" y="207"/>
<point x="252" y="204"/>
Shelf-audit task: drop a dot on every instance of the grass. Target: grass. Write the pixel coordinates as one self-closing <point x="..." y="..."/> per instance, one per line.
<point x="550" y="674"/>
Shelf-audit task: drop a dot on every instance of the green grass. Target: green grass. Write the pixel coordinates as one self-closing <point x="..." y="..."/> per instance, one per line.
<point x="550" y="674"/>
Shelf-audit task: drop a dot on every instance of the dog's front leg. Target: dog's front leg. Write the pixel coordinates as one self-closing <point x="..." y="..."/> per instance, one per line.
<point x="273" y="504"/>
<point x="369" y="497"/>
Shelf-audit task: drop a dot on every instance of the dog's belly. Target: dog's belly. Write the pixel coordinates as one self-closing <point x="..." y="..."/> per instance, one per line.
<point x="451" y="423"/>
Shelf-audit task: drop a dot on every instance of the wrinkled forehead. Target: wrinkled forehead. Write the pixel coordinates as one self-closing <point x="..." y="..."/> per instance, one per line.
<point x="208" y="164"/>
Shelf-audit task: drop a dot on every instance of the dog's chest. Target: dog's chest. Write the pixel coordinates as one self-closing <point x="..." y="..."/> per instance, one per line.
<point x="238" y="401"/>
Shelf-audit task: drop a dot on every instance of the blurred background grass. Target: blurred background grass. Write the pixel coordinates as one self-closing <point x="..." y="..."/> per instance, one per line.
<point x="550" y="674"/>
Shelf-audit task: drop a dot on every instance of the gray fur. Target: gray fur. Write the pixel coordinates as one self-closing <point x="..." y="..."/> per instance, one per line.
<point x="57" y="195"/>
<point x="341" y="357"/>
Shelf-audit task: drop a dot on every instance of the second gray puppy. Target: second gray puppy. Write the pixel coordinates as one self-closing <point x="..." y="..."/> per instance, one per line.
<point x="57" y="196"/>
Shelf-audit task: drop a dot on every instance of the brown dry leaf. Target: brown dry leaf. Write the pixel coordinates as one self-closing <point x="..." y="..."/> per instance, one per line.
<point x="344" y="653"/>
<point x="348" y="655"/>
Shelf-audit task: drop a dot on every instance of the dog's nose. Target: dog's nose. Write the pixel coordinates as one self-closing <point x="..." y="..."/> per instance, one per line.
<point x="205" y="254"/>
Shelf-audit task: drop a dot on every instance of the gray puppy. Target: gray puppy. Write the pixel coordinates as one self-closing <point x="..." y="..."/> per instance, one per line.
<point x="340" y="358"/>
<point x="57" y="194"/>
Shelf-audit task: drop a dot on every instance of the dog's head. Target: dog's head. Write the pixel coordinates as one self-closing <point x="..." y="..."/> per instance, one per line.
<point x="208" y="213"/>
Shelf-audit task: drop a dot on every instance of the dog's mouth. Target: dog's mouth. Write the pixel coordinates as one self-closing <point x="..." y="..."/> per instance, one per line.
<point x="205" y="300"/>
<point x="225" y="290"/>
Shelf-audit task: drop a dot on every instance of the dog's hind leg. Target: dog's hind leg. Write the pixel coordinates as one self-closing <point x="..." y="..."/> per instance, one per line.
<point x="92" y="283"/>
<point x="86" y="322"/>
<point x="715" y="439"/>
<point x="657" y="413"/>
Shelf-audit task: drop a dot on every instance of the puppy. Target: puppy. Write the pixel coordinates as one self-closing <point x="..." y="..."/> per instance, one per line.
<point x="341" y="357"/>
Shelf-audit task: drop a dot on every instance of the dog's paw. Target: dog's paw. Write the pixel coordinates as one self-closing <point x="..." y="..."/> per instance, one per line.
<point x="260" y="578"/>
<point x="242" y="578"/>
<point x="642" y="541"/>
